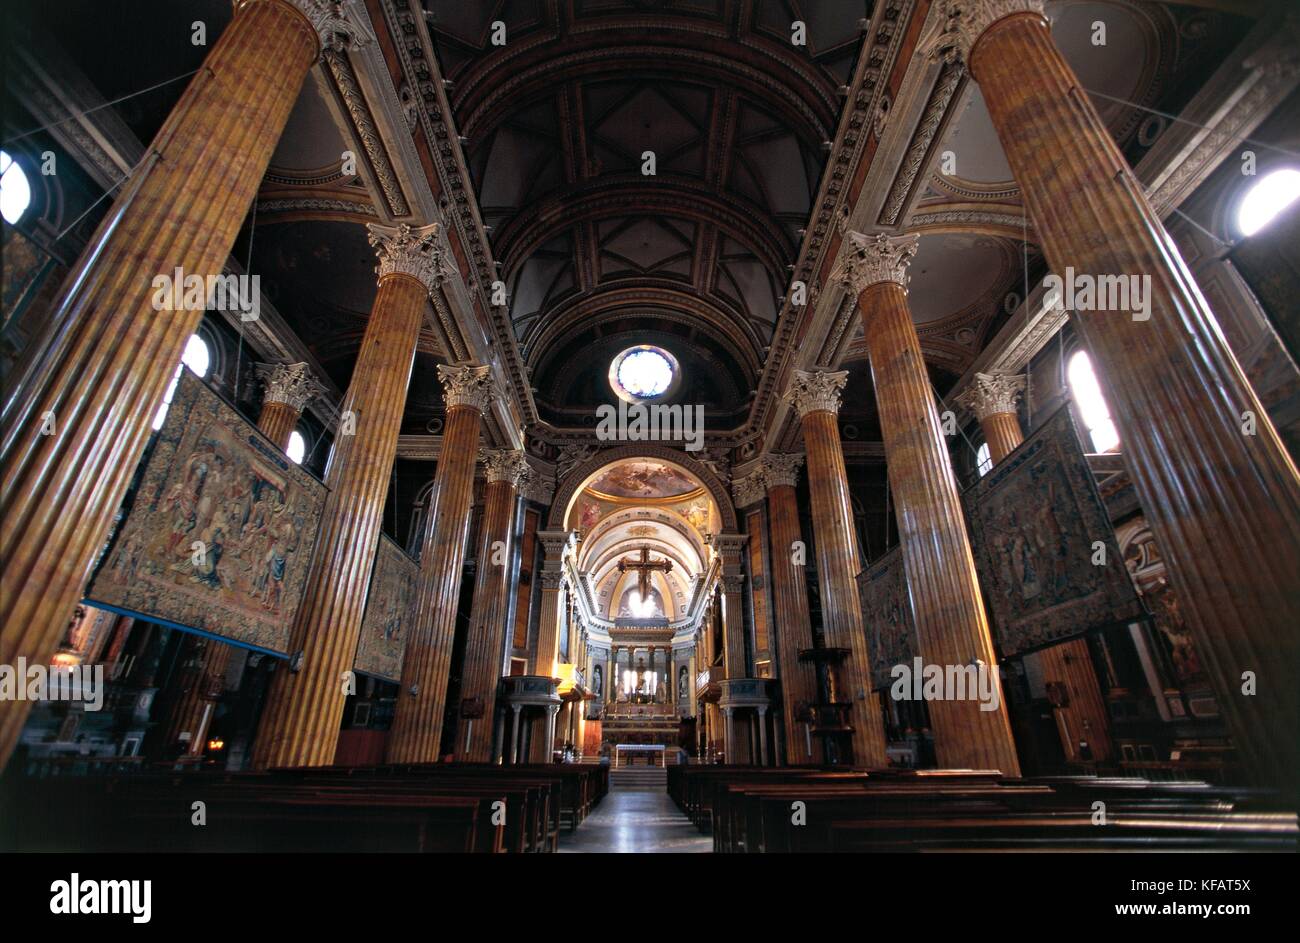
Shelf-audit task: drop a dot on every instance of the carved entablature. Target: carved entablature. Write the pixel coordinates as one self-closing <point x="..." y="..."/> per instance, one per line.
<point x="967" y="20"/>
<point x="406" y="250"/>
<point x="339" y="25"/>
<point x="748" y="490"/>
<point x="288" y="383"/>
<point x="508" y="465"/>
<point x="468" y="386"/>
<point x="869" y="260"/>
<point x="781" y="469"/>
<point x="811" y="391"/>
<point x="536" y="487"/>
<point x="991" y="393"/>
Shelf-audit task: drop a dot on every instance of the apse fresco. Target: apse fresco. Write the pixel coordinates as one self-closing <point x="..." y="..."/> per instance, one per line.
<point x="390" y="610"/>
<point x="643" y="480"/>
<point x="220" y="531"/>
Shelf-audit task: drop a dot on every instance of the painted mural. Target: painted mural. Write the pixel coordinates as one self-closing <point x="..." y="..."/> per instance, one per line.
<point x="1036" y="525"/>
<point x="887" y="616"/>
<point x="643" y="480"/>
<point x="220" y="530"/>
<point x="391" y="607"/>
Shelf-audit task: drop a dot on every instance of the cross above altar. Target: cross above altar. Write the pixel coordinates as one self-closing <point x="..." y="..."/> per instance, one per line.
<point x="644" y="568"/>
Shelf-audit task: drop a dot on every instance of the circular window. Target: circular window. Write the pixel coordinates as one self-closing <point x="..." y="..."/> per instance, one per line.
<point x="1268" y="197"/>
<point x="15" y="191"/>
<point x="642" y="373"/>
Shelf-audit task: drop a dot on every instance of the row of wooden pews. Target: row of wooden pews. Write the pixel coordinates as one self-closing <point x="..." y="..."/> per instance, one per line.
<point x="755" y="809"/>
<point x="409" y="808"/>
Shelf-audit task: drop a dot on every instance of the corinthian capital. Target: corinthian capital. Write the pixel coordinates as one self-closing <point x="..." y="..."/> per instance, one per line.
<point x="508" y="465"/>
<point x="992" y="393"/>
<point x="967" y="20"/>
<point x="339" y="25"/>
<point x="467" y="386"/>
<point x="288" y="383"/>
<point x="821" y="389"/>
<point x="404" y="250"/>
<point x="781" y="469"/>
<point x="748" y="490"/>
<point x="869" y="260"/>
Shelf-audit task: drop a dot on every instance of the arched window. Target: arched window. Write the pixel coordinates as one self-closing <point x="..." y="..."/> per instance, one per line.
<point x="297" y="447"/>
<point x="983" y="462"/>
<point x="1267" y="197"/>
<point x="197" y="358"/>
<point x="15" y="191"/>
<point x="1092" y="405"/>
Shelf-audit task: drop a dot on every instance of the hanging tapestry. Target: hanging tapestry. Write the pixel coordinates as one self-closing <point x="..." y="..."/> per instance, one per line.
<point x="390" y="612"/>
<point x="219" y="532"/>
<point x="887" y="616"/>
<point x="1047" y="558"/>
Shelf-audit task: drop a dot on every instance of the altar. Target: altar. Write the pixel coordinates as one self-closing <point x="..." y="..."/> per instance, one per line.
<point x="654" y="753"/>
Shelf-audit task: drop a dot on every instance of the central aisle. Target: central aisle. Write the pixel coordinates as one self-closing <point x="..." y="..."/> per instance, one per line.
<point x="633" y="821"/>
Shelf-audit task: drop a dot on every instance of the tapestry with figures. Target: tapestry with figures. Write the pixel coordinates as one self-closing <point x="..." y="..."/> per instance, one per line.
<point x="391" y="607"/>
<point x="887" y="616"/>
<point x="1046" y="554"/>
<point x="219" y="532"/>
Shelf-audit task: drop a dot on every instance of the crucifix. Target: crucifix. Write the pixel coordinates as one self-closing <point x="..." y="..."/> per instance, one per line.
<point x="643" y="568"/>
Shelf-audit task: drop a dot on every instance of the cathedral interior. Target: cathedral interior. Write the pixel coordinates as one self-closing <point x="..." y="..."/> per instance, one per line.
<point x="644" y="414"/>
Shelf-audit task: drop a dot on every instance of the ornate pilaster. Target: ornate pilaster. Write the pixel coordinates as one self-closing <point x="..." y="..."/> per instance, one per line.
<point x="405" y="250"/>
<point x="869" y="260"/>
<point x="992" y="398"/>
<point x="110" y="353"/>
<point x="1175" y="390"/>
<point x="817" y="398"/>
<point x="288" y="390"/>
<point x="417" y="722"/>
<point x="748" y="490"/>
<point x="731" y="553"/>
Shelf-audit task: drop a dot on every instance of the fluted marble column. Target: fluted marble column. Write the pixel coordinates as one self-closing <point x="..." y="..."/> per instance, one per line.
<point x="951" y="625"/>
<point x="780" y="475"/>
<point x="730" y="548"/>
<point x="992" y="398"/>
<point x="416" y="734"/>
<point x="289" y="387"/>
<point x="485" y="641"/>
<point x="304" y="706"/>
<point x="816" y="397"/>
<point x="1176" y="392"/>
<point x="78" y="409"/>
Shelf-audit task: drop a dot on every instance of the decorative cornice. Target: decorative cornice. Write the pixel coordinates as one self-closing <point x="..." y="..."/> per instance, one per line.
<point x="991" y="393"/>
<point x="404" y="250"/>
<point x="781" y="469"/>
<point x="748" y="490"/>
<point x="508" y="465"/>
<point x="368" y="133"/>
<point x="291" y="384"/>
<point x="338" y="25"/>
<point x="967" y="21"/>
<point x="817" y="390"/>
<point x="869" y="260"/>
<point x="468" y="386"/>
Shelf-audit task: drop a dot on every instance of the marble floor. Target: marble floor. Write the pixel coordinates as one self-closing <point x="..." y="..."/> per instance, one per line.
<point x="629" y="822"/>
